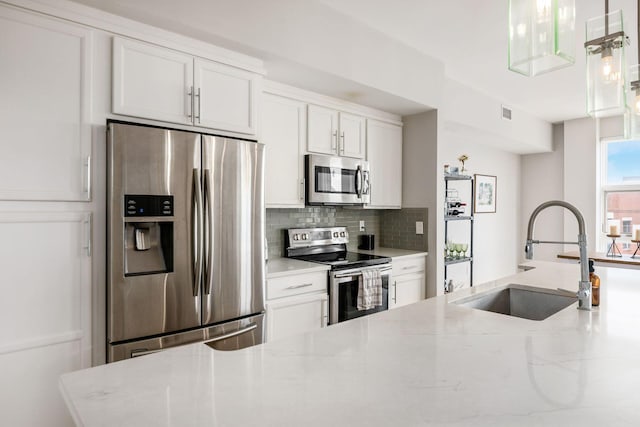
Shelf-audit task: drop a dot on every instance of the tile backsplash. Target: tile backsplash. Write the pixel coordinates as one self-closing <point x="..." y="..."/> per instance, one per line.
<point x="399" y="230"/>
<point x="392" y="228"/>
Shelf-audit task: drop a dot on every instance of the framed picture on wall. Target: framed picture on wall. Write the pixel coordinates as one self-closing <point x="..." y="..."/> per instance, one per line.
<point x="485" y="193"/>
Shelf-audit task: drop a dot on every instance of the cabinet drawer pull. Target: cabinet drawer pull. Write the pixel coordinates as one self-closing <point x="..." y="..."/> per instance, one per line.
<point x="411" y="267"/>
<point x="299" y="286"/>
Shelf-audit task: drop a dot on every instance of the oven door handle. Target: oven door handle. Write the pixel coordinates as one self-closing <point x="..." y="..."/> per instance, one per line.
<point x="355" y="274"/>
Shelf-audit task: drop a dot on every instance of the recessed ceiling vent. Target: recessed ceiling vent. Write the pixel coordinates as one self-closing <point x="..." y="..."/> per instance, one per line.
<point x="506" y="113"/>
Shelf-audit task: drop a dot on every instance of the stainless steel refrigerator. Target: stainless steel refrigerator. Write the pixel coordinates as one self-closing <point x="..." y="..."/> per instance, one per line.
<point x="185" y="235"/>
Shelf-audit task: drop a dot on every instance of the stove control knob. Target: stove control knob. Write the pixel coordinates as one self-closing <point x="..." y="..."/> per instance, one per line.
<point x="305" y="236"/>
<point x="296" y="237"/>
<point x="335" y="234"/>
<point x="343" y="234"/>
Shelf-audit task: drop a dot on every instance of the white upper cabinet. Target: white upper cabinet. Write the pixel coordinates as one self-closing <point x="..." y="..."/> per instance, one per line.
<point x="282" y="130"/>
<point x="352" y="133"/>
<point x="384" y="153"/>
<point x="335" y="133"/>
<point x="162" y="84"/>
<point x="225" y="97"/>
<point x="322" y="131"/>
<point x="152" y="82"/>
<point x="45" y="80"/>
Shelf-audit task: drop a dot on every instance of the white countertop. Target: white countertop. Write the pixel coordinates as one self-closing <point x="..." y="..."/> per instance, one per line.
<point x="429" y="363"/>
<point x="393" y="253"/>
<point x="278" y="267"/>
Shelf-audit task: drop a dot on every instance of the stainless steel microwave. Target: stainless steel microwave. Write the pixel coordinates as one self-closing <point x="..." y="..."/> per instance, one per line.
<point x="332" y="180"/>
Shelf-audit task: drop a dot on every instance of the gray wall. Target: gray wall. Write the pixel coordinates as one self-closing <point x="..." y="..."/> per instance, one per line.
<point x="421" y="168"/>
<point x="392" y="228"/>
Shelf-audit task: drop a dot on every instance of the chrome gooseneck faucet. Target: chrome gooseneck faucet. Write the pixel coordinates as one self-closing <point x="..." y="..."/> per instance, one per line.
<point x="584" y="289"/>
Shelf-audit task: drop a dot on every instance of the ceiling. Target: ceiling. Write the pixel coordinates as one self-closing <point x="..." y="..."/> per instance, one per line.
<point x="468" y="36"/>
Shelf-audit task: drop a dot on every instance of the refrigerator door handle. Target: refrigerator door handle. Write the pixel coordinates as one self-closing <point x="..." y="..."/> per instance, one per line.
<point x="208" y="228"/>
<point x="196" y="231"/>
<point x="249" y="328"/>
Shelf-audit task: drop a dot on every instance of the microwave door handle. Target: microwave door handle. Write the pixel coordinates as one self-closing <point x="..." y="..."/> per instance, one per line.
<point x="359" y="182"/>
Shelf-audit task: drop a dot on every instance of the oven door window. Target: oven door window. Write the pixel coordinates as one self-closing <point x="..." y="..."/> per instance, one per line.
<point x="348" y="299"/>
<point x="335" y="180"/>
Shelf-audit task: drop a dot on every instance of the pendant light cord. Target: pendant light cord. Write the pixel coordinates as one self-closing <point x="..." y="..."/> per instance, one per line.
<point x="606" y="17"/>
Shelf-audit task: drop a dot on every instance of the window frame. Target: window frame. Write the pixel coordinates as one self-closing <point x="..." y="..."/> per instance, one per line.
<point x="605" y="190"/>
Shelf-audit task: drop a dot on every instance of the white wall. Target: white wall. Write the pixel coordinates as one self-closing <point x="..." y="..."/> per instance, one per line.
<point x="467" y="110"/>
<point x="543" y="180"/>
<point x="570" y="173"/>
<point x="427" y="146"/>
<point x="496" y="248"/>
<point x="580" y="184"/>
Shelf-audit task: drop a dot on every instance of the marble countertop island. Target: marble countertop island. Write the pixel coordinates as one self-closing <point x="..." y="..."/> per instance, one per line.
<point x="429" y="363"/>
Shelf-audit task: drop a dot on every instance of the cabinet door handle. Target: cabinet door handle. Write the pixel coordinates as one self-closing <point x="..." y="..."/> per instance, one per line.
<point x="88" y="234"/>
<point x="299" y="286"/>
<point x="87" y="165"/>
<point x="342" y="142"/>
<point x="302" y="189"/>
<point x="324" y="317"/>
<point x="395" y="291"/>
<point x="197" y="95"/>
<point x="190" y="103"/>
<point x="334" y="141"/>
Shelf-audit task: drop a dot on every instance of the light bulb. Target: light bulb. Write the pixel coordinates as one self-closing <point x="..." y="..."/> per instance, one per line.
<point x="608" y="69"/>
<point x="543" y="6"/>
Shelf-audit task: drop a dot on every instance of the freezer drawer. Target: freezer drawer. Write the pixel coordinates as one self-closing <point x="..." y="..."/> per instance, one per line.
<point x="232" y="335"/>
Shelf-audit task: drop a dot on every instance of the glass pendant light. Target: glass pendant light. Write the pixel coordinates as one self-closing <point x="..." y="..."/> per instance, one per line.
<point x="541" y="35"/>
<point x="605" y="64"/>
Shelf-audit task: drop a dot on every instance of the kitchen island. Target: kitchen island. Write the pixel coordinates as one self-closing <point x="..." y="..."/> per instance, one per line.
<point x="429" y="363"/>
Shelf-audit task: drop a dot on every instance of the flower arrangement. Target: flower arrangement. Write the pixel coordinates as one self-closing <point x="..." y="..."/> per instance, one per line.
<point x="463" y="158"/>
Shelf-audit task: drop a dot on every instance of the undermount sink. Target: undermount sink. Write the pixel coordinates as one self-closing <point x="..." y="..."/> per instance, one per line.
<point x="520" y="301"/>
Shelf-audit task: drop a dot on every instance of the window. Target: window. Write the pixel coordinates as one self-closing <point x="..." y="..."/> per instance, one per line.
<point x="621" y="192"/>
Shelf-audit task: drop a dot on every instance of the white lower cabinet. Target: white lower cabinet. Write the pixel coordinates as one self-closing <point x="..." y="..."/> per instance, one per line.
<point x="296" y="315"/>
<point x="45" y="281"/>
<point x="296" y="304"/>
<point x="408" y="281"/>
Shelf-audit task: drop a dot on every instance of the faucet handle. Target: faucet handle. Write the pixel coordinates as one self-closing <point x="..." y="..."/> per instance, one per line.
<point x="528" y="249"/>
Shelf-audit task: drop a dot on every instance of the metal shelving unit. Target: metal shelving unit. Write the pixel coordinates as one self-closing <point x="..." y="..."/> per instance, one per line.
<point x="454" y="218"/>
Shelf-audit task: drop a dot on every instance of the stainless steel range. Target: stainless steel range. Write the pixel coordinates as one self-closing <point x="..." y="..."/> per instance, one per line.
<point x="349" y="270"/>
